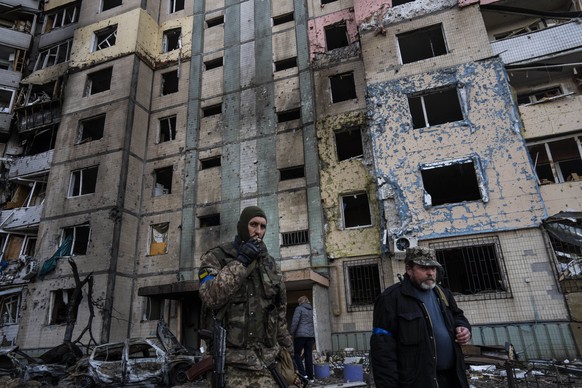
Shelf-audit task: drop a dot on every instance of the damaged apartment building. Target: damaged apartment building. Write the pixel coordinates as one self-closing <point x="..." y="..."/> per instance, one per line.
<point x="134" y="132"/>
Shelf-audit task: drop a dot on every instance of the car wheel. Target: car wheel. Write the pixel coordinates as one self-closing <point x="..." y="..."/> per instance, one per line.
<point x="84" y="382"/>
<point x="178" y="374"/>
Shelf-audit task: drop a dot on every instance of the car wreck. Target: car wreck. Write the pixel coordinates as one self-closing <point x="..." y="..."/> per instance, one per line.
<point x="161" y="361"/>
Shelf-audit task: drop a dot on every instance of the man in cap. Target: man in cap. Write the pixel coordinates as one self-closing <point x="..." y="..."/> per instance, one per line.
<point x="241" y="284"/>
<point x="418" y="330"/>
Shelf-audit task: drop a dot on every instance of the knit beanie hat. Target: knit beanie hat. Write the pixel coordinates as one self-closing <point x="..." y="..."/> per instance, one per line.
<point x="246" y="215"/>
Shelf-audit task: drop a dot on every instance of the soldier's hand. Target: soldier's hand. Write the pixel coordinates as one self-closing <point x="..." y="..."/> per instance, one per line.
<point x="248" y="252"/>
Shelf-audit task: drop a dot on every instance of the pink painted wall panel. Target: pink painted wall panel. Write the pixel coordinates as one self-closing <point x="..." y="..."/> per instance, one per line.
<point x="317" y="29"/>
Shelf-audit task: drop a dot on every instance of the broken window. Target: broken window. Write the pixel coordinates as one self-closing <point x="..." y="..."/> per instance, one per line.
<point x="297" y="237"/>
<point x="285" y="64"/>
<point x="163" y="181"/>
<point x="13" y="247"/>
<point x="166" y="129"/>
<point x="212" y="110"/>
<point x="99" y="81"/>
<point x="170" y="82"/>
<point x="159" y="239"/>
<point x="19" y="197"/>
<point x="59" y="306"/>
<point x="435" y="107"/>
<point x="60" y="18"/>
<point x="83" y="181"/>
<point x="535" y="26"/>
<point x="109" y="353"/>
<point x="362" y="284"/>
<point x="343" y="87"/>
<point x="154" y="309"/>
<point x="6" y="100"/>
<point x="473" y="267"/>
<point x="105" y="38"/>
<point x="90" y="129"/>
<point x="355" y="210"/>
<point x="421" y="44"/>
<point x="336" y="36"/>
<point x="288" y="173"/>
<point x="210" y="162"/>
<point x="209" y="220"/>
<point x="348" y="143"/>
<point x="213" y="63"/>
<point x="175" y="5"/>
<point x="42" y="140"/>
<point x="54" y="55"/>
<point x="9" y="307"/>
<point x="453" y="181"/>
<point x="288" y="115"/>
<point x="172" y="40"/>
<point x="216" y="21"/>
<point x="323" y="2"/>
<point x="108" y="4"/>
<point x="400" y="2"/>
<point x="79" y="236"/>
<point x="7" y="55"/>
<point x="540" y="95"/>
<point x="281" y="19"/>
<point x="557" y="161"/>
<point x="564" y="230"/>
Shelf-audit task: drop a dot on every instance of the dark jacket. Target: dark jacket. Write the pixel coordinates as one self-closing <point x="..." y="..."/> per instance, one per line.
<point x="302" y="323"/>
<point x="402" y="346"/>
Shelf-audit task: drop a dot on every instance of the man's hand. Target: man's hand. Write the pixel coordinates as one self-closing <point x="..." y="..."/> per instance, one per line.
<point x="463" y="335"/>
<point x="248" y="252"/>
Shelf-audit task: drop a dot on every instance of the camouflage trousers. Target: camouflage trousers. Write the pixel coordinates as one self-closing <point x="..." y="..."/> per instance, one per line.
<point x="245" y="378"/>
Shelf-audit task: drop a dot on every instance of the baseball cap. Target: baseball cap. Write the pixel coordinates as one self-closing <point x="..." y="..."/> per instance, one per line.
<point x="422" y="256"/>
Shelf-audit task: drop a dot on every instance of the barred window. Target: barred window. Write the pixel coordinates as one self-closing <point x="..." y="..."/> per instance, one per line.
<point x="297" y="237"/>
<point x="474" y="268"/>
<point x="362" y="284"/>
<point x="9" y="308"/>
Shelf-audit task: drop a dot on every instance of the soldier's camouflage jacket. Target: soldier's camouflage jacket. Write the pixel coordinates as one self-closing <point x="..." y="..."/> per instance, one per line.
<point x="255" y="318"/>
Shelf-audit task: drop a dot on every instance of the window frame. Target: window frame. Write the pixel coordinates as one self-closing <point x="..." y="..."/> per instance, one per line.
<point x="62" y="15"/>
<point x="168" y="133"/>
<point x="173" y="6"/>
<point x="372" y="292"/>
<point x="10" y="307"/>
<point x="164" y="78"/>
<point x="74" y="230"/>
<point x="155" y="246"/>
<point x="82" y="133"/>
<point x="103" y="36"/>
<point x="423" y="96"/>
<point x="168" y="36"/>
<point x="53" y="318"/>
<point x="10" y="104"/>
<point x="162" y="187"/>
<point x="95" y="78"/>
<point x="554" y="166"/>
<point x="343" y="214"/>
<point x="78" y="176"/>
<point x="53" y="52"/>
<point x="337" y="84"/>
<point x="426" y="31"/>
<point x="111" y="6"/>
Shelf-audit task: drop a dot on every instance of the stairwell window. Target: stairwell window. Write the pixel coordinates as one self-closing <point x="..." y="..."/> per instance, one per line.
<point x="170" y="82"/>
<point x="158" y="239"/>
<point x="348" y="143"/>
<point x="172" y="40"/>
<point x="105" y="38"/>
<point x="166" y="129"/>
<point x="435" y="107"/>
<point x="99" y="81"/>
<point x="336" y="36"/>
<point x="355" y="210"/>
<point x="90" y="129"/>
<point x="175" y="5"/>
<point x="163" y="181"/>
<point x="421" y="44"/>
<point x="362" y="284"/>
<point x="83" y="181"/>
<point x="79" y="237"/>
<point x="343" y="87"/>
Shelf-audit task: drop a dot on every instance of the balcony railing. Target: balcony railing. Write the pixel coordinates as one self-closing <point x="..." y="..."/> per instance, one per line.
<point x="30" y="165"/>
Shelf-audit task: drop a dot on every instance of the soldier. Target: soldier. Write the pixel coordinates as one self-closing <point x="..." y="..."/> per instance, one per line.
<point x="240" y="281"/>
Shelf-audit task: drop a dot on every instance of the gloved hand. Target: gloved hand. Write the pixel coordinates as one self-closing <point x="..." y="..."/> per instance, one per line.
<point x="248" y="252"/>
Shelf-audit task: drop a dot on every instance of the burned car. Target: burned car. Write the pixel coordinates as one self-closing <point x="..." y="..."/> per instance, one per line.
<point x="17" y="364"/>
<point x="162" y="360"/>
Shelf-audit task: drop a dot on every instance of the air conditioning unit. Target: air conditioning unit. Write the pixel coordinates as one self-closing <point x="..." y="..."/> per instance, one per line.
<point x="402" y="243"/>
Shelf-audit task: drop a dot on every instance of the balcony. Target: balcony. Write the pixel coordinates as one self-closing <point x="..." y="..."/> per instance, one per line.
<point x="30" y="165"/>
<point x="20" y="218"/>
<point x="557" y="116"/>
<point x="38" y="115"/>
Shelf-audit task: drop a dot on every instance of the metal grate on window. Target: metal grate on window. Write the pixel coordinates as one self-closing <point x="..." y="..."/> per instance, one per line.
<point x="362" y="284"/>
<point x="474" y="269"/>
<point x="568" y="263"/>
<point x="297" y="237"/>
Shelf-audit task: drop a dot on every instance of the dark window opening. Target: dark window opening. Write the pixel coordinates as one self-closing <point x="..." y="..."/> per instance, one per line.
<point x="108" y="4"/>
<point x="79" y="235"/>
<point x="176" y="5"/>
<point x="288" y="115"/>
<point x="422" y="44"/>
<point x="215" y="21"/>
<point x="567" y="250"/>
<point x="400" y="2"/>
<point x="99" y="81"/>
<point x="285" y="64"/>
<point x="42" y="141"/>
<point x="363" y="285"/>
<point x="280" y="19"/>
<point x="209" y="220"/>
<point x="170" y="82"/>
<point x="452" y="183"/>
<point x="172" y="39"/>
<point x="348" y="143"/>
<point x="213" y="63"/>
<point x="210" y="162"/>
<point x="472" y="267"/>
<point x="91" y="129"/>
<point x="540" y="95"/>
<point x="163" y="181"/>
<point x="336" y="36"/>
<point x="558" y="161"/>
<point x="343" y="87"/>
<point x="212" y="110"/>
<point x="323" y="2"/>
<point x="438" y="107"/>
<point x="292" y="173"/>
<point x="105" y="38"/>
<point x="167" y="126"/>
<point x="298" y="237"/>
<point x="356" y="210"/>
<point x="83" y="181"/>
<point x="60" y="306"/>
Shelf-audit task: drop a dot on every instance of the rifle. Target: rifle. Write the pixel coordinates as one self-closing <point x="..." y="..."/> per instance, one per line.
<point x="218" y="354"/>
